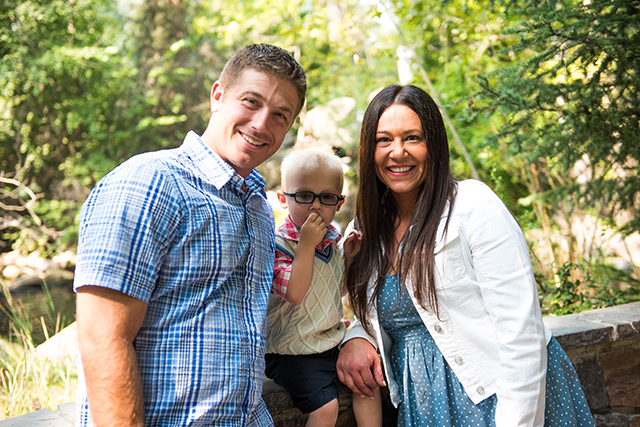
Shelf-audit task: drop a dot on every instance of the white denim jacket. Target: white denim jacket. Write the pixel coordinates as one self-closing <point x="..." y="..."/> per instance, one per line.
<point x="490" y="329"/>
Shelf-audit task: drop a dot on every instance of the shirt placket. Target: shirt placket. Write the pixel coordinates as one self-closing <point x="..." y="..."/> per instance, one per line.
<point x="257" y="286"/>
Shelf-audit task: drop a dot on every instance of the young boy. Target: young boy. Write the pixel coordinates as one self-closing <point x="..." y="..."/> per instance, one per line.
<point x="305" y="306"/>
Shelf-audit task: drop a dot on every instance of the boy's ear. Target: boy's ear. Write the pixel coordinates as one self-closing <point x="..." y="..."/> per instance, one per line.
<point x="339" y="205"/>
<point x="282" y="199"/>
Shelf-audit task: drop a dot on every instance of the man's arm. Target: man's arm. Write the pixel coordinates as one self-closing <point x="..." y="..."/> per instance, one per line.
<point x="108" y="322"/>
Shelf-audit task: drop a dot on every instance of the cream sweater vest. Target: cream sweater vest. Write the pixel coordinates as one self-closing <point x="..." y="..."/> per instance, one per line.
<point x="315" y="324"/>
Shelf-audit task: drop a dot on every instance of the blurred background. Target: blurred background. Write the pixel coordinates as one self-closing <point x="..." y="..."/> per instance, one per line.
<point x="540" y="99"/>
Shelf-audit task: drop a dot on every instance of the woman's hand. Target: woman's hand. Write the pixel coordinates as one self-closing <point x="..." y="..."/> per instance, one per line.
<point x="359" y="367"/>
<point x="351" y="245"/>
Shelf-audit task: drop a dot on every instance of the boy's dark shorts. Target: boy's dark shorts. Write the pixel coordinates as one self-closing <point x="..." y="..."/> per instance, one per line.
<point x="308" y="378"/>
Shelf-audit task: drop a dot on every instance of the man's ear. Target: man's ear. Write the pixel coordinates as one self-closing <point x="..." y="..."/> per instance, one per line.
<point x="216" y="96"/>
<point x="282" y="199"/>
<point x="340" y="203"/>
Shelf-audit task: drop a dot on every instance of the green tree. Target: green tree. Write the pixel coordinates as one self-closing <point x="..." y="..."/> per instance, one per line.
<point x="558" y="91"/>
<point x="569" y="110"/>
<point x="85" y="87"/>
<point x="450" y="44"/>
<point x="571" y="106"/>
<point x="69" y="109"/>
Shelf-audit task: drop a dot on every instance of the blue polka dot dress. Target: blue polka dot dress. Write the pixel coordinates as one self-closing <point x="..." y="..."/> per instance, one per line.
<point x="430" y="393"/>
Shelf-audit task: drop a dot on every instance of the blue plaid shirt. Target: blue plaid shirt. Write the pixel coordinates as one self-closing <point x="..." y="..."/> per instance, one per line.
<point x="173" y="228"/>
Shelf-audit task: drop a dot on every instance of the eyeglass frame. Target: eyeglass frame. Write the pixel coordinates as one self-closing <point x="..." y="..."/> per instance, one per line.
<point x="315" y="196"/>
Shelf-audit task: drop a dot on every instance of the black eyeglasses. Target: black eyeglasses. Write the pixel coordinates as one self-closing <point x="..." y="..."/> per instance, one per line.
<point x="307" y="197"/>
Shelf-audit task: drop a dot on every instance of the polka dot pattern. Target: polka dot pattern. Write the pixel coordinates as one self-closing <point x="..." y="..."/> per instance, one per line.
<point x="430" y="392"/>
<point x="565" y="403"/>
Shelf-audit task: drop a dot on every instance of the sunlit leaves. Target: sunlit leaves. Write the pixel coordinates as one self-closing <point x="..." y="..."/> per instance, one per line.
<point x="576" y="96"/>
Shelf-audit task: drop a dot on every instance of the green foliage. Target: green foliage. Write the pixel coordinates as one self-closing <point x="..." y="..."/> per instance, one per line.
<point x="571" y="103"/>
<point x="85" y="87"/>
<point x="529" y="57"/>
<point x="64" y="94"/>
<point x="340" y="52"/>
<point x="72" y="108"/>
<point x="456" y="42"/>
<point x="586" y="286"/>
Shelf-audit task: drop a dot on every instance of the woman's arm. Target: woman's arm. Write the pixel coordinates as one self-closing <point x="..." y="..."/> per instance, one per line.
<point x="358" y="364"/>
<point x="500" y="257"/>
<point x="359" y="367"/>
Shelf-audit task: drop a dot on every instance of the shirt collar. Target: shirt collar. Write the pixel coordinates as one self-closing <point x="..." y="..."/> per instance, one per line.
<point x="216" y="169"/>
<point x="289" y="231"/>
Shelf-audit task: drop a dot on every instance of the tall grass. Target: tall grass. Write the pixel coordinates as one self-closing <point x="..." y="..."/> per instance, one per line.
<point x="31" y="381"/>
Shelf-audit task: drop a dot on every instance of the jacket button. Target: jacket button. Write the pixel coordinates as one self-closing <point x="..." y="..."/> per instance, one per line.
<point x="458" y="360"/>
<point x="438" y="329"/>
<point x="480" y="390"/>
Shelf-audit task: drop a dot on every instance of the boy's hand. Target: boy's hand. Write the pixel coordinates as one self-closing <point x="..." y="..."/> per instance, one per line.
<point x="311" y="234"/>
<point x="351" y="245"/>
<point x="312" y="231"/>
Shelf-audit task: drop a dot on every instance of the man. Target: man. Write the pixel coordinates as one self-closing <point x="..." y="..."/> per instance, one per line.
<point x="175" y="261"/>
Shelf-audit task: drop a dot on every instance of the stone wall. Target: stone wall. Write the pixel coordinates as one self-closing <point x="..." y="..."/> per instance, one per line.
<point x="603" y="345"/>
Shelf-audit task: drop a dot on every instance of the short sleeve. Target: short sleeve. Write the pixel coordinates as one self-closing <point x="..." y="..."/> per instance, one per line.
<point x="126" y="226"/>
<point x="281" y="272"/>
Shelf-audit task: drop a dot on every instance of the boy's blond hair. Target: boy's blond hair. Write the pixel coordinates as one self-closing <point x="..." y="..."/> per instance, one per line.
<point x="312" y="159"/>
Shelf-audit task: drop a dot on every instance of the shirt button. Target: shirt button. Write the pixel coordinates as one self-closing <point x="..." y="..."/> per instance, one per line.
<point x="480" y="390"/>
<point x="458" y="360"/>
<point x="438" y="329"/>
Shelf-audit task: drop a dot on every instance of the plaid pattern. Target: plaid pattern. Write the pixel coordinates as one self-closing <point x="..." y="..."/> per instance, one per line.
<point x="284" y="259"/>
<point x="174" y="229"/>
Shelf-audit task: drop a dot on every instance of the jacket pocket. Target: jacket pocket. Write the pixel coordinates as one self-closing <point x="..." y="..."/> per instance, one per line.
<point x="449" y="259"/>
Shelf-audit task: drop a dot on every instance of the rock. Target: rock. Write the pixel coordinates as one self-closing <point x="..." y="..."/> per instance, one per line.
<point x="19" y="270"/>
<point x="42" y="418"/>
<point x="50" y="276"/>
<point x="322" y="124"/>
<point x="61" y="346"/>
<point x="622" y="377"/>
<point x="11" y="272"/>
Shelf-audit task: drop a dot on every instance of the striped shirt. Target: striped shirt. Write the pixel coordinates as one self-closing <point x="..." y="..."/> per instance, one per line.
<point x="174" y="229"/>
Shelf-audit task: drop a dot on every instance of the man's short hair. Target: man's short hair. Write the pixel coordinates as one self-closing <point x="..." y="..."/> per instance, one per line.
<point x="312" y="159"/>
<point x="268" y="59"/>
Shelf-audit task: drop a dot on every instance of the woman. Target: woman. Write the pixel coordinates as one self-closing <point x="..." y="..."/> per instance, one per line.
<point x="443" y="287"/>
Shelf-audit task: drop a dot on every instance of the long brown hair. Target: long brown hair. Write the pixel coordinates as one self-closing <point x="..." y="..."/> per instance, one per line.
<point x="377" y="212"/>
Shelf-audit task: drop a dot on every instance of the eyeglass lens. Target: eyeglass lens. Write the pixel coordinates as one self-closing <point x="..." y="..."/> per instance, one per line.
<point x="307" y="197"/>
